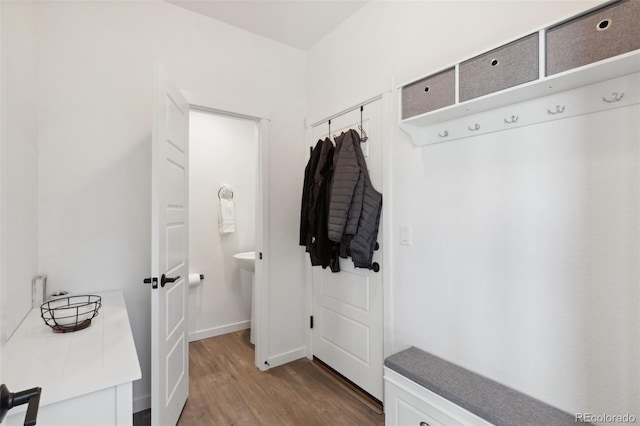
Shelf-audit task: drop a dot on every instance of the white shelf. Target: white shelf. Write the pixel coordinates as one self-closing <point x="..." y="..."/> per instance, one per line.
<point x="429" y="128"/>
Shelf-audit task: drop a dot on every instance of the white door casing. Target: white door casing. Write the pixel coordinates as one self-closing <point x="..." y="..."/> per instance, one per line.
<point x="251" y="111"/>
<point x="169" y="252"/>
<point x="347" y="306"/>
<point x="2" y="192"/>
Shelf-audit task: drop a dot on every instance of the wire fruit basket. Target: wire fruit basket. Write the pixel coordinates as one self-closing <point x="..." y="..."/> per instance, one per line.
<point x="71" y="313"/>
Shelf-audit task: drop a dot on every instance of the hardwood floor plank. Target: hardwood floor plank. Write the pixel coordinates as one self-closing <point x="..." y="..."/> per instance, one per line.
<point x="227" y="389"/>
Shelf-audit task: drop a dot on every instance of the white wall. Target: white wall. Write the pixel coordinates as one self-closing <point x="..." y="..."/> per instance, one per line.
<point x="223" y="150"/>
<point x="20" y="158"/>
<point x="95" y="68"/>
<point x="524" y="263"/>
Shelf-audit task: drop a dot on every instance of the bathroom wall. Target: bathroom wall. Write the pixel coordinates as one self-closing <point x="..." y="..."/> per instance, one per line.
<point x="524" y="263"/>
<point x="19" y="261"/>
<point x="94" y="85"/>
<point x="223" y="150"/>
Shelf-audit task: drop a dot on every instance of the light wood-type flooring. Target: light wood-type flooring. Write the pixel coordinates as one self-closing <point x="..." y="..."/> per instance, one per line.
<point x="227" y="389"/>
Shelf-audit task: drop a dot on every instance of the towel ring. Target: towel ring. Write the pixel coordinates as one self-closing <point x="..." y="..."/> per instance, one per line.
<point x="225" y="193"/>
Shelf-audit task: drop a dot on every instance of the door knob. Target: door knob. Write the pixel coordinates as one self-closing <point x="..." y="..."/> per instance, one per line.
<point x="8" y="400"/>
<point x="164" y="279"/>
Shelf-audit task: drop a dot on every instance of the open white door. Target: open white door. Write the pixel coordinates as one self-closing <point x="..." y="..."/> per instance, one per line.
<point x="347" y="306"/>
<point x="169" y="252"/>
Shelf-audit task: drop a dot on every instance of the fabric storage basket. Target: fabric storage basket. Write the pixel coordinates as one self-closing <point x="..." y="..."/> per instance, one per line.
<point x="430" y="93"/>
<point x="606" y="32"/>
<point x="501" y="68"/>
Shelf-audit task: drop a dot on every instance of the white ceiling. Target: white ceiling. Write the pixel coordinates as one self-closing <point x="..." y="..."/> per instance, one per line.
<point x="297" y="23"/>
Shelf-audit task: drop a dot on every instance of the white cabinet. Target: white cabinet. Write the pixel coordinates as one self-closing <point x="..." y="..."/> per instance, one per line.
<point x="86" y="376"/>
<point x="409" y="404"/>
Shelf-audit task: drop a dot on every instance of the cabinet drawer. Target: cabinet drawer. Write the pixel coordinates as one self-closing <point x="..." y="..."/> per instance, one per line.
<point x="501" y="68"/>
<point x="430" y="93"/>
<point x="409" y="404"/>
<point x="405" y="409"/>
<point x="606" y="32"/>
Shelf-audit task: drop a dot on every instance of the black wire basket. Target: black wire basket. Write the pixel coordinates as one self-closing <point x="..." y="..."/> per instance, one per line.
<point x="71" y="313"/>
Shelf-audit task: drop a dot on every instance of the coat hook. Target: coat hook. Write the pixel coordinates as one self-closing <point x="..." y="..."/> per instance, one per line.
<point x="615" y="97"/>
<point x="363" y="134"/>
<point x="444" y="134"/>
<point x="475" y="127"/>
<point x="363" y="137"/>
<point x="514" y="119"/>
<point x="559" y="109"/>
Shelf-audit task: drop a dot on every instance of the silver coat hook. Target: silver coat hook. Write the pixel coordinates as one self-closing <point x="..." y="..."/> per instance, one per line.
<point x="475" y="127"/>
<point x="559" y="109"/>
<point x="363" y="134"/>
<point x="615" y="97"/>
<point x="514" y="119"/>
<point x="363" y="137"/>
<point x="444" y="134"/>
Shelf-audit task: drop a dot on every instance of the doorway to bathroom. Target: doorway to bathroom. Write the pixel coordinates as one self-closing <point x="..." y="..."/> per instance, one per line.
<point x="225" y="223"/>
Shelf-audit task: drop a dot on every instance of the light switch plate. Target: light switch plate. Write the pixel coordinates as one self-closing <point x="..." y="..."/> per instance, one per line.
<point x="405" y="235"/>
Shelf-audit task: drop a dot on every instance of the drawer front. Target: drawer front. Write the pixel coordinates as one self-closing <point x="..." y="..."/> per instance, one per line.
<point x="501" y="68"/>
<point x="431" y="93"/>
<point x="404" y="408"/>
<point x="408" y="404"/>
<point x="601" y="34"/>
<point x="410" y="415"/>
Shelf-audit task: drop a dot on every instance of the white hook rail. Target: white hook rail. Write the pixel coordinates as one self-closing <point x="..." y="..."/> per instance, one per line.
<point x="583" y="100"/>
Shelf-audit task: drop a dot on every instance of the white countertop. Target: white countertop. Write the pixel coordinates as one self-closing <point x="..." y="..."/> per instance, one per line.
<point x="72" y="364"/>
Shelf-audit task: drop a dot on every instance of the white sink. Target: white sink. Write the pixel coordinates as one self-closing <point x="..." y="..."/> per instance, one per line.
<point x="246" y="260"/>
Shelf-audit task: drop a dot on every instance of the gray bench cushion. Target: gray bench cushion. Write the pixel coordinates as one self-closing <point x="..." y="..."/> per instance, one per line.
<point x="496" y="403"/>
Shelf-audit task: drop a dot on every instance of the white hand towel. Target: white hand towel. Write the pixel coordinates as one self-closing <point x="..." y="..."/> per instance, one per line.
<point x="227" y="217"/>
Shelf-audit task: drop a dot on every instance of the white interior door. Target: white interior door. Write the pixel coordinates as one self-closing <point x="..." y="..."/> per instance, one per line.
<point x="347" y="306"/>
<point x="169" y="253"/>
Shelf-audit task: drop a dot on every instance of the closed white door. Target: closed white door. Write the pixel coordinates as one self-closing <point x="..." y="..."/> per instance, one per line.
<point x="347" y="305"/>
<point x="169" y="253"/>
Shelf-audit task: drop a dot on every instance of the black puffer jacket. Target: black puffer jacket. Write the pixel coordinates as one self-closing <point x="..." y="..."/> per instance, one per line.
<point x="354" y="205"/>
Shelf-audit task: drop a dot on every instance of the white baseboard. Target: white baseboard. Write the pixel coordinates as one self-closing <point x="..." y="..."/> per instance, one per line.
<point x="218" y="331"/>
<point x="141" y="403"/>
<point x="285" y="357"/>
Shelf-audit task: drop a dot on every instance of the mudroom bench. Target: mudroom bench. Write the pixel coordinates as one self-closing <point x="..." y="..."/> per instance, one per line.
<point x="424" y="390"/>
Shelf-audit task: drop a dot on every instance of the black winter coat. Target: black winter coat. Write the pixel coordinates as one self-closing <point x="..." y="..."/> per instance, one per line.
<point x="315" y="205"/>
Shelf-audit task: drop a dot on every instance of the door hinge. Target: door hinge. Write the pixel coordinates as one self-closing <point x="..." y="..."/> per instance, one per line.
<point x="311" y="321"/>
<point x="153" y="281"/>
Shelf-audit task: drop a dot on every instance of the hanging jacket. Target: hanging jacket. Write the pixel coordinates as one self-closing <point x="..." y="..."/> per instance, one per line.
<point x="315" y="202"/>
<point x="354" y="205"/>
<point x="307" y="199"/>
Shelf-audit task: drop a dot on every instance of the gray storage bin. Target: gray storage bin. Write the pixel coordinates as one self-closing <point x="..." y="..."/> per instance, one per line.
<point x="506" y="66"/>
<point x="601" y="34"/>
<point x="430" y="93"/>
